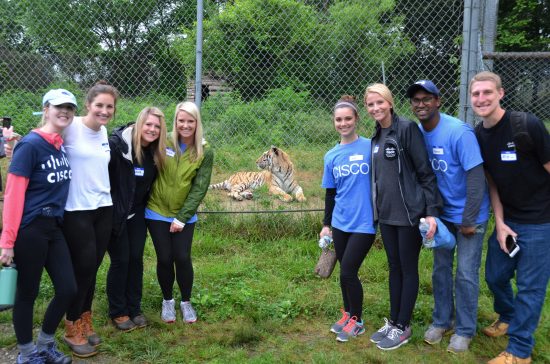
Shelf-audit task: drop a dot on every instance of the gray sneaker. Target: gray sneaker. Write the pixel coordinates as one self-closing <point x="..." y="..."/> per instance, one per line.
<point x="352" y="329"/>
<point x="396" y="337"/>
<point x="340" y="324"/>
<point x="382" y="332"/>
<point x="189" y="314"/>
<point x="458" y="344"/>
<point x="168" y="314"/>
<point x="434" y="334"/>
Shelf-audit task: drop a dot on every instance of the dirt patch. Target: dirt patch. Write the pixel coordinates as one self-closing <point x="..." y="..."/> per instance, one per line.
<point x="8" y="355"/>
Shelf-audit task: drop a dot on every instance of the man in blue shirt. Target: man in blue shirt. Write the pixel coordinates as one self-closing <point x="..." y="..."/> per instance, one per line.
<point x="456" y="161"/>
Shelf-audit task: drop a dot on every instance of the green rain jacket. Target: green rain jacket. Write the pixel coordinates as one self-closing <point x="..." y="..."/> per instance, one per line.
<point x="182" y="184"/>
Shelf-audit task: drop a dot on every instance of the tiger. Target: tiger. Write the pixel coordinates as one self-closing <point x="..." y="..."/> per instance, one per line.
<point x="277" y="171"/>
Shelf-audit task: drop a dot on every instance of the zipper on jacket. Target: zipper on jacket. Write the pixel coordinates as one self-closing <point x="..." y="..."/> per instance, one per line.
<point x="399" y="180"/>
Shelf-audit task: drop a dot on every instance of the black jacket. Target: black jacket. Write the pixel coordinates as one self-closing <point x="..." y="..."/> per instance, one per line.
<point x="121" y="175"/>
<point x="417" y="182"/>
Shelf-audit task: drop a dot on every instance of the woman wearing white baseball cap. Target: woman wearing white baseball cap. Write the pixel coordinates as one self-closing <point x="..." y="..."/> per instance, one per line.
<point x="36" y="192"/>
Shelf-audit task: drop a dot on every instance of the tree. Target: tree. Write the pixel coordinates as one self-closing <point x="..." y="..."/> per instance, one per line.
<point x="17" y="62"/>
<point x="249" y="44"/>
<point x="354" y="40"/>
<point x="434" y="27"/>
<point x="523" y="25"/>
<point x="126" y="42"/>
<point x="263" y="45"/>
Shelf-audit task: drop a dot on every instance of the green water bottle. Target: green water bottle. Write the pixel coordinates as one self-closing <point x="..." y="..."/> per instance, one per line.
<point x="8" y="283"/>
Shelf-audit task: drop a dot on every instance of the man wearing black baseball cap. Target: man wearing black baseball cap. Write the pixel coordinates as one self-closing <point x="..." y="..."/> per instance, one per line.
<point x="456" y="161"/>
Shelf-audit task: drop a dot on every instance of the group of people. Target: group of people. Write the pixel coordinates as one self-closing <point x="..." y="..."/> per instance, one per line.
<point x="445" y="171"/>
<point x="74" y="193"/>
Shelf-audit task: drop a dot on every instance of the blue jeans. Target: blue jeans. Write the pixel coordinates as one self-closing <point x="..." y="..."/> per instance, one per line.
<point x="532" y="268"/>
<point x="466" y="284"/>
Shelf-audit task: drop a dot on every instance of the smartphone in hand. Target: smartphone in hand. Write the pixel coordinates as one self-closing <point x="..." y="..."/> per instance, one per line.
<point x="512" y="246"/>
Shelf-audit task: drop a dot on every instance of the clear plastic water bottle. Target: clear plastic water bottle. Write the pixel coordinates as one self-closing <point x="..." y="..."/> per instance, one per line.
<point x="324" y="242"/>
<point x="424" y="227"/>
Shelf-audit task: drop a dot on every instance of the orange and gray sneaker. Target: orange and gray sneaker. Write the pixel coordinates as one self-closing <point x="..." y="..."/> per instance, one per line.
<point x="340" y="324"/>
<point x="353" y="328"/>
<point x="508" y="358"/>
<point x="496" y="329"/>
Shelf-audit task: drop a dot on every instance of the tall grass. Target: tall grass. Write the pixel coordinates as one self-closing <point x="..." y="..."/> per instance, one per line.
<point x="258" y="301"/>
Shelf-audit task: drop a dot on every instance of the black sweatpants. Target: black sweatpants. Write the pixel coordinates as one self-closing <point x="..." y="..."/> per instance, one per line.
<point x="173" y="258"/>
<point x="402" y="244"/>
<point x="40" y="245"/>
<point x="87" y="233"/>
<point x="125" y="276"/>
<point x="351" y="249"/>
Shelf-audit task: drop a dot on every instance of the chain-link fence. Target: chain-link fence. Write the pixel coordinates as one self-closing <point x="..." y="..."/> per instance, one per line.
<point x="271" y="69"/>
<point x="526" y="80"/>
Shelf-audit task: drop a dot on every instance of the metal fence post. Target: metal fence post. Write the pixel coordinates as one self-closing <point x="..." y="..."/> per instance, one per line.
<point x="470" y="56"/>
<point x="198" y="61"/>
<point x="489" y="29"/>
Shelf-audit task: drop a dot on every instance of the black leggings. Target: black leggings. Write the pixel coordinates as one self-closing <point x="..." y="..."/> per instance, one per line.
<point x="125" y="276"/>
<point x="41" y="245"/>
<point x="402" y="244"/>
<point x="87" y="233"/>
<point x="173" y="249"/>
<point x="351" y="250"/>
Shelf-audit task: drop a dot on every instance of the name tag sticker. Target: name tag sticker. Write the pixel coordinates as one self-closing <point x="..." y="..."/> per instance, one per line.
<point x="375" y="149"/>
<point x="508" y="156"/>
<point x="437" y="151"/>
<point x="356" y="157"/>
<point x="139" y="172"/>
<point x="170" y="152"/>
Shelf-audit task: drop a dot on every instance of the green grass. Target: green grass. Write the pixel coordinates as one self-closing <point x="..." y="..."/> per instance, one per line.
<point x="259" y="302"/>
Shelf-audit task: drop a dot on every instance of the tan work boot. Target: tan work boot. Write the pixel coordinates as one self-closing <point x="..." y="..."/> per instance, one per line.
<point x="507" y="358"/>
<point x="75" y="339"/>
<point x="88" y="329"/>
<point x="496" y="329"/>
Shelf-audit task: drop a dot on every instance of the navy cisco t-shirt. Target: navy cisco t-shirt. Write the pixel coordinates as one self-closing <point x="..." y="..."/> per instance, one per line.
<point x="49" y="175"/>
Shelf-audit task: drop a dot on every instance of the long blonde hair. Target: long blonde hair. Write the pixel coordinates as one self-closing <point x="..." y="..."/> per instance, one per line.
<point x="159" y="145"/>
<point x="196" y="150"/>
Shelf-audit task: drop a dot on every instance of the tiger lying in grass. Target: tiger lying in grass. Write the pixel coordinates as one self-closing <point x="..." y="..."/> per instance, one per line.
<point x="277" y="172"/>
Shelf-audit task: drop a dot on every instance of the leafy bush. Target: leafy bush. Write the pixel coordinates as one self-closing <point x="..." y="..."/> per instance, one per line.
<point x="283" y="117"/>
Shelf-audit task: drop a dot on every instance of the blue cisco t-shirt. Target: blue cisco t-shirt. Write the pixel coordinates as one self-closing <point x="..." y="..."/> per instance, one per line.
<point x="347" y="168"/>
<point x="49" y="175"/>
<point x="453" y="150"/>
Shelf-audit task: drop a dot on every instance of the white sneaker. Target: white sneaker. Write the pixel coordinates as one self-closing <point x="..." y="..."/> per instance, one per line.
<point x="168" y="314"/>
<point x="189" y="314"/>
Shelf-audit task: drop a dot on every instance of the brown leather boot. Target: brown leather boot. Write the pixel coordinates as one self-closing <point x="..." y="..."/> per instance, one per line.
<point x="88" y="329"/>
<point x="76" y="341"/>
